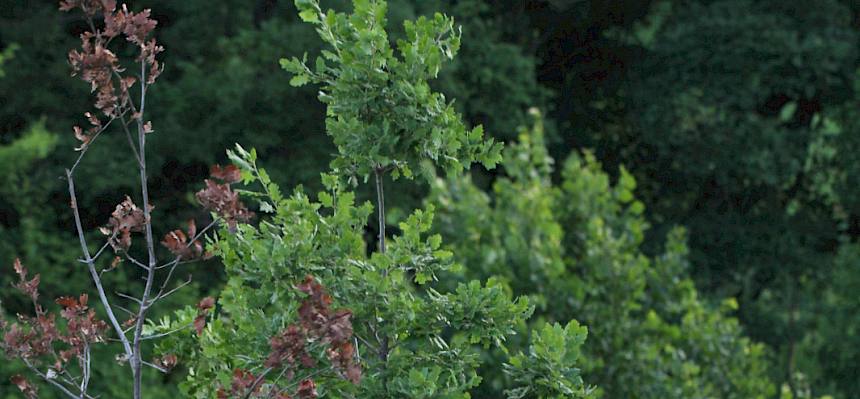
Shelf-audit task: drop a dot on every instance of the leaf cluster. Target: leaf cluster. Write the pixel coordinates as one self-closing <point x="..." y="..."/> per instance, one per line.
<point x="381" y="112"/>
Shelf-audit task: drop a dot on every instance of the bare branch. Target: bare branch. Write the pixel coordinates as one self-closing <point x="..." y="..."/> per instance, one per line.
<point x="130" y="140"/>
<point x="164" y="334"/>
<point x="106" y="244"/>
<point x="92" y="139"/>
<point x="92" y="267"/>
<point x="129" y="297"/>
<point x="85" y="366"/>
<point x="157" y="367"/>
<point x="166" y="294"/>
<point x="53" y="382"/>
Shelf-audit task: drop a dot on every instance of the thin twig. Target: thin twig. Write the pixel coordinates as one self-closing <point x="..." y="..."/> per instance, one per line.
<point x="135" y="261"/>
<point x="86" y="147"/>
<point x="168" y="293"/>
<point x="85" y="378"/>
<point x="130" y="140"/>
<point x="130" y="313"/>
<point x="106" y="244"/>
<point x="129" y="297"/>
<point x="92" y="267"/>
<point x="380" y="202"/>
<point x="164" y="334"/>
<point x="53" y="382"/>
<point x="155" y="366"/>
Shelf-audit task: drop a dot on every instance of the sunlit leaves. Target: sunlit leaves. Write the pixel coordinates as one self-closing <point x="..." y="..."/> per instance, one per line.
<point x="549" y="368"/>
<point x="382" y="114"/>
<point x="277" y="316"/>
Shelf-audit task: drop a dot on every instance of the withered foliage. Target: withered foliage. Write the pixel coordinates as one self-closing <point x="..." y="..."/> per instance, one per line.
<point x="318" y="327"/>
<point x="29" y="390"/>
<point x="27" y="287"/>
<point x="203" y="308"/>
<point x="97" y="65"/>
<point x="126" y="218"/>
<point x="220" y="197"/>
<point x="166" y="362"/>
<point x="37" y="340"/>
<point x="229" y="174"/>
<point x="177" y="242"/>
<point x="242" y="382"/>
<point x="47" y="347"/>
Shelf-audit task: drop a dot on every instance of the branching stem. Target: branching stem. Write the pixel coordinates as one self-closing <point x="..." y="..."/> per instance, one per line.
<point x="92" y="267"/>
<point x="136" y="360"/>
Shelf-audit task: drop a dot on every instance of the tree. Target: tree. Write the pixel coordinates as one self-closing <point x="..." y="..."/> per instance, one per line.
<point x="308" y="309"/>
<point x="221" y="86"/>
<point x="735" y="103"/>
<point x="61" y="355"/>
<point x="574" y="249"/>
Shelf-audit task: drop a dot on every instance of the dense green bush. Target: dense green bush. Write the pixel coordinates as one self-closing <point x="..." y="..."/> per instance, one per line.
<point x="574" y="248"/>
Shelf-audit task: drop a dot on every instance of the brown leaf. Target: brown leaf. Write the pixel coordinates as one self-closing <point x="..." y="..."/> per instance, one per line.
<point x="125" y="219"/>
<point x="68" y="5"/>
<point x="176" y="242"/>
<point x="199" y="323"/>
<point x="203" y="308"/>
<point x="20" y="269"/>
<point x="130" y="322"/>
<point x="83" y="138"/>
<point x="307" y="389"/>
<point x="167" y="361"/>
<point x="206" y="303"/>
<point x="29" y="288"/>
<point x="29" y="390"/>
<point x="115" y="262"/>
<point x="222" y="200"/>
<point x="228" y="174"/>
<point x="67" y="302"/>
<point x="192" y="228"/>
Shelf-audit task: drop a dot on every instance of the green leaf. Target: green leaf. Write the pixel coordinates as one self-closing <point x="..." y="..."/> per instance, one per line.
<point x="299" y="80"/>
<point x="309" y="15"/>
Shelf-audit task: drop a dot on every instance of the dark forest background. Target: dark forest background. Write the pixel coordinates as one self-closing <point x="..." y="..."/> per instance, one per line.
<point x="739" y="119"/>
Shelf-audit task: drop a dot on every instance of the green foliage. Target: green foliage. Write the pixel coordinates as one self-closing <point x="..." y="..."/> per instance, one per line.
<point x="416" y="341"/>
<point x="382" y="113"/>
<point x="548" y="371"/>
<point x="741" y="117"/>
<point x="834" y="344"/>
<point x="431" y="333"/>
<point x="35" y="145"/>
<point x="736" y="121"/>
<point x="221" y="85"/>
<point x="575" y="249"/>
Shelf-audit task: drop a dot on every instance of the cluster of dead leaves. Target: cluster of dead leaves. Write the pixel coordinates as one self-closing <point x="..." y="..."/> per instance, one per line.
<point x="97" y="65"/>
<point x="37" y="338"/>
<point x="318" y="324"/>
<point x="219" y="197"/>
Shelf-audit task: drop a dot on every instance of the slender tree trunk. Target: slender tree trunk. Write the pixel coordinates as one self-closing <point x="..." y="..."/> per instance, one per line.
<point x="380" y="205"/>
<point x="137" y="360"/>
